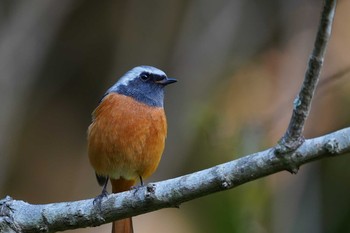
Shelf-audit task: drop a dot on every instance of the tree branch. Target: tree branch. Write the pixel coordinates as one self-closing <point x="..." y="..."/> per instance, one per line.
<point x="293" y="137"/>
<point x="19" y="216"/>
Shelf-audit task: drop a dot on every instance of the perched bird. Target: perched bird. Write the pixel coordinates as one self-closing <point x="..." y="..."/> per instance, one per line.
<point x="128" y="130"/>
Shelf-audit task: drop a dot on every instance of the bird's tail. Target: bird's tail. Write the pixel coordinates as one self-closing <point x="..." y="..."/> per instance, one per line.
<point x="124" y="225"/>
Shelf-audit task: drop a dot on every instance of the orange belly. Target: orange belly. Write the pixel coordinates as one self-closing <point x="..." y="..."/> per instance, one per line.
<point x="126" y="138"/>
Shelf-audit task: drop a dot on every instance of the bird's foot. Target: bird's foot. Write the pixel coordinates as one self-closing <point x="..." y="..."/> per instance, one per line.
<point x="98" y="200"/>
<point x="136" y="188"/>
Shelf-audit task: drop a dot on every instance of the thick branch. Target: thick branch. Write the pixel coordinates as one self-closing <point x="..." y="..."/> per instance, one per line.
<point x="20" y="216"/>
<point x="293" y="137"/>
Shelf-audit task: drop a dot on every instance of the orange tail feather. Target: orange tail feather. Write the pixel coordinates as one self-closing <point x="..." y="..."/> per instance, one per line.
<point x="124" y="225"/>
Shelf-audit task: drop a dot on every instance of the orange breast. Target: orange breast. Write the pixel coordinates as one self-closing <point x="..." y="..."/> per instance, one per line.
<point x="126" y="138"/>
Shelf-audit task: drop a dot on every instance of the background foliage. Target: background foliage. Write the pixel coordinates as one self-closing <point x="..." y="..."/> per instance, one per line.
<point x="239" y="65"/>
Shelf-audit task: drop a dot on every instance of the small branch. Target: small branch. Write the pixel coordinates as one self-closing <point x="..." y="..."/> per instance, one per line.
<point x="293" y="137"/>
<point x="19" y="216"/>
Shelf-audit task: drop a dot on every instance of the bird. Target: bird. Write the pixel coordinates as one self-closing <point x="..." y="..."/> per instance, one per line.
<point x="126" y="137"/>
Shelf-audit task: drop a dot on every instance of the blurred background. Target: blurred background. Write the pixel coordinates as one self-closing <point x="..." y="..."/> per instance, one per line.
<point x="239" y="65"/>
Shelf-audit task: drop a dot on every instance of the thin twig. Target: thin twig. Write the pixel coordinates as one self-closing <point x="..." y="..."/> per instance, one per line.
<point x="324" y="84"/>
<point x="293" y="137"/>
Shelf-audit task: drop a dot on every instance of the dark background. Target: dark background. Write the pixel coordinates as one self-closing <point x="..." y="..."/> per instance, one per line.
<point x="239" y="65"/>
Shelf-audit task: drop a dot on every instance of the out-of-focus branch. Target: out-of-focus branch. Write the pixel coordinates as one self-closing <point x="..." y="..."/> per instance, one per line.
<point x="327" y="81"/>
<point x="293" y="137"/>
<point x="19" y="216"/>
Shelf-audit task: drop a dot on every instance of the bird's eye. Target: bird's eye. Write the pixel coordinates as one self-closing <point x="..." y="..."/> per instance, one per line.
<point x="144" y="77"/>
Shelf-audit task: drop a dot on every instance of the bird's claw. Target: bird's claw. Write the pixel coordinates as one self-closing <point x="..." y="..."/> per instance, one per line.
<point x="98" y="200"/>
<point x="136" y="188"/>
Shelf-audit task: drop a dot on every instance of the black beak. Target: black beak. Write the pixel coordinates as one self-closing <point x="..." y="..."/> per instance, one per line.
<point x="167" y="81"/>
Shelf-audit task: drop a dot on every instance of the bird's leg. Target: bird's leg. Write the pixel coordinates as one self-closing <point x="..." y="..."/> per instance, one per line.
<point x="141" y="181"/>
<point x="136" y="187"/>
<point x="103" y="194"/>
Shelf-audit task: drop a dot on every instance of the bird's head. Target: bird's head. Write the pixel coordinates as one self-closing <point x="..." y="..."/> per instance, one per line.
<point x="143" y="83"/>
